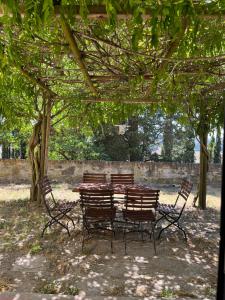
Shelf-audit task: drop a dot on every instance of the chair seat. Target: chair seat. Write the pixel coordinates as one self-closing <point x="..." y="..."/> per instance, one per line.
<point x="104" y="214"/>
<point x="65" y="205"/>
<point x="167" y="209"/>
<point x="139" y="215"/>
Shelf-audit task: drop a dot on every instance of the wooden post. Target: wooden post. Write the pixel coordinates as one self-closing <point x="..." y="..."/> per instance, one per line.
<point x="45" y="137"/>
<point x="45" y="132"/>
<point x="221" y="268"/>
<point x="203" y="170"/>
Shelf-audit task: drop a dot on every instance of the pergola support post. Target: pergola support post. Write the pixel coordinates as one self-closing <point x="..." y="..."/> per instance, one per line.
<point x="221" y="268"/>
<point x="203" y="170"/>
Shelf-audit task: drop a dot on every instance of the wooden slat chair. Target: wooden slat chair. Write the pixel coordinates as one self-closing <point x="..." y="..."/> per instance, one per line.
<point x="98" y="212"/>
<point x="57" y="211"/>
<point x="127" y="179"/>
<point x="120" y="180"/>
<point x="173" y="212"/>
<point x="94" y="178"/>
<point x="140" y="210"/>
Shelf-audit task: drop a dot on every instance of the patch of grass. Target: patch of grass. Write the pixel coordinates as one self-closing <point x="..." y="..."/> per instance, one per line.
<point x="48" y="288"/>
<point x="35" y="248"/>
<point x="2" y="224"/>
<point x="209" y="291"/>
<point x="115" y="290"/>
<point x="72" y="290"/>
<point x="167" y="293"/>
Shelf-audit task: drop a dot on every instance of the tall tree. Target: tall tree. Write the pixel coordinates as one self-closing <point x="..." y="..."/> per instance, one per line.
<point x="167" y="147"/>
<point x="211" y="148"/>
<point x="184" y="144"/>
<point x="189" y="148"/>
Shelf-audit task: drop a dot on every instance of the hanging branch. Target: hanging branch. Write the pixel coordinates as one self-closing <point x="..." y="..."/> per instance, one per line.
<point x="37" y="81"/>
<point x="214" y="87"/>
<point x="76" y="52"/>
<point x="145" y="54"/>
<point x="173" y="45"/>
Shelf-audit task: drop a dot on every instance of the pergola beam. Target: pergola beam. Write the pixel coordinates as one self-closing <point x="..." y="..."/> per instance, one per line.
<point x="100" y="12"/>
<point x="76" y="53"/>
<point x="126" y="101"/>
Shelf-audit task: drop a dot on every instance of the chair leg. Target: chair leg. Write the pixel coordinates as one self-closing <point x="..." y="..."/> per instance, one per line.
<point x="82" y="247"/>
<point x="159" y="220"/>
<point x="64" y="226"/>
<point x="43" y="231"/>
<point x="178" y="226"/>
<point x="69" y="218"/>
<point x="125" y="241"/>
<point x="48" y="224"/>
<point x="142" y="232"/>
<point x="172" y="223"/>
<point x="112" y="235"/>
<point x="153" y="234"/>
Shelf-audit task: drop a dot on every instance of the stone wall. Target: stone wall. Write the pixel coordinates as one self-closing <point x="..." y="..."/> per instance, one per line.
<point x="18" y="171"/>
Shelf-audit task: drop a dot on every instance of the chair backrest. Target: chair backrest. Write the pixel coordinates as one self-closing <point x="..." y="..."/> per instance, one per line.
<point x="184" y="192"/>
<point x="97" y="203"/>
<point x="122" y="178"/>
<point x="141" y="199"/>
<point x="94" y="178"/>
<point x="46" y="191"/>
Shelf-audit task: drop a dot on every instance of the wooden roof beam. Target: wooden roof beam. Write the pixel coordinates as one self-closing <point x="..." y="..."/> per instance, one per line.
<point x="127" y="101"/>
<point x="99" y="11"/>
<point x="76" y="53"/>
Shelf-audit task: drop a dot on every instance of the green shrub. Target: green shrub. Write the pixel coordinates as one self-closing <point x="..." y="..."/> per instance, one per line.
<point x="167" y="293"/>
<point x="35" y="248"/>
<point x="72" y="290"/>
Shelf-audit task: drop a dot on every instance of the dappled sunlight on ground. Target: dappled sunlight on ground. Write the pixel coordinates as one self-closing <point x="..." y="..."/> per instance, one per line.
<point x="55" y="264"/>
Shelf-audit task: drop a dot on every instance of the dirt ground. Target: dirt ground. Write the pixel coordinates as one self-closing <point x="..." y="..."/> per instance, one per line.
<point x="55" y="263"/>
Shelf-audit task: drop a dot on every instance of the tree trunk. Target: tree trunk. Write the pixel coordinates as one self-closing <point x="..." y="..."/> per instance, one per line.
<point x="203" y="170"/>
<point x="38" y="150"/>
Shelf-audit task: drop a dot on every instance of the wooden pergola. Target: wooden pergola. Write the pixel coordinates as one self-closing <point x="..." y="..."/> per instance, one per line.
<point x="95" y="66"/>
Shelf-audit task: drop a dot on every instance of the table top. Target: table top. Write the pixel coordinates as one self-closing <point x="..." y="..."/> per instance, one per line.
<point x="117" y="188"/>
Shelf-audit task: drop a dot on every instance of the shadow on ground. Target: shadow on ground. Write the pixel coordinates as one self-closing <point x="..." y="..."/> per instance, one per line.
<point x="55" y="264"/>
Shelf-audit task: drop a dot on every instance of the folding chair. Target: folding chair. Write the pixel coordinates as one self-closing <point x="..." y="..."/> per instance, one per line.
<point x="94" y="178"/>
<point x="172" y="212"/>
<point x="140" y="210"/>
<point x="56" y="211"/>
<point x="127" y="179"/>
<point x="120" y="182"/>
<point x="98" y="212"/>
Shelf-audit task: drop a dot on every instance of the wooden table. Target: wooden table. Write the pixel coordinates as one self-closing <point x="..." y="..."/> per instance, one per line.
<point x="117" y="188"/>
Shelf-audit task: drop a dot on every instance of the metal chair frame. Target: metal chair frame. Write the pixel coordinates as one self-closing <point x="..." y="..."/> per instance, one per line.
<point x="56" y="211"/>
<point x="171" y="212"/>
<point x="140" y="208"/>
<point x="98" y="212"/>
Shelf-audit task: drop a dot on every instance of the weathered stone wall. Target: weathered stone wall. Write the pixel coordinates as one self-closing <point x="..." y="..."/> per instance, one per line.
<point x="18" y="171"/>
